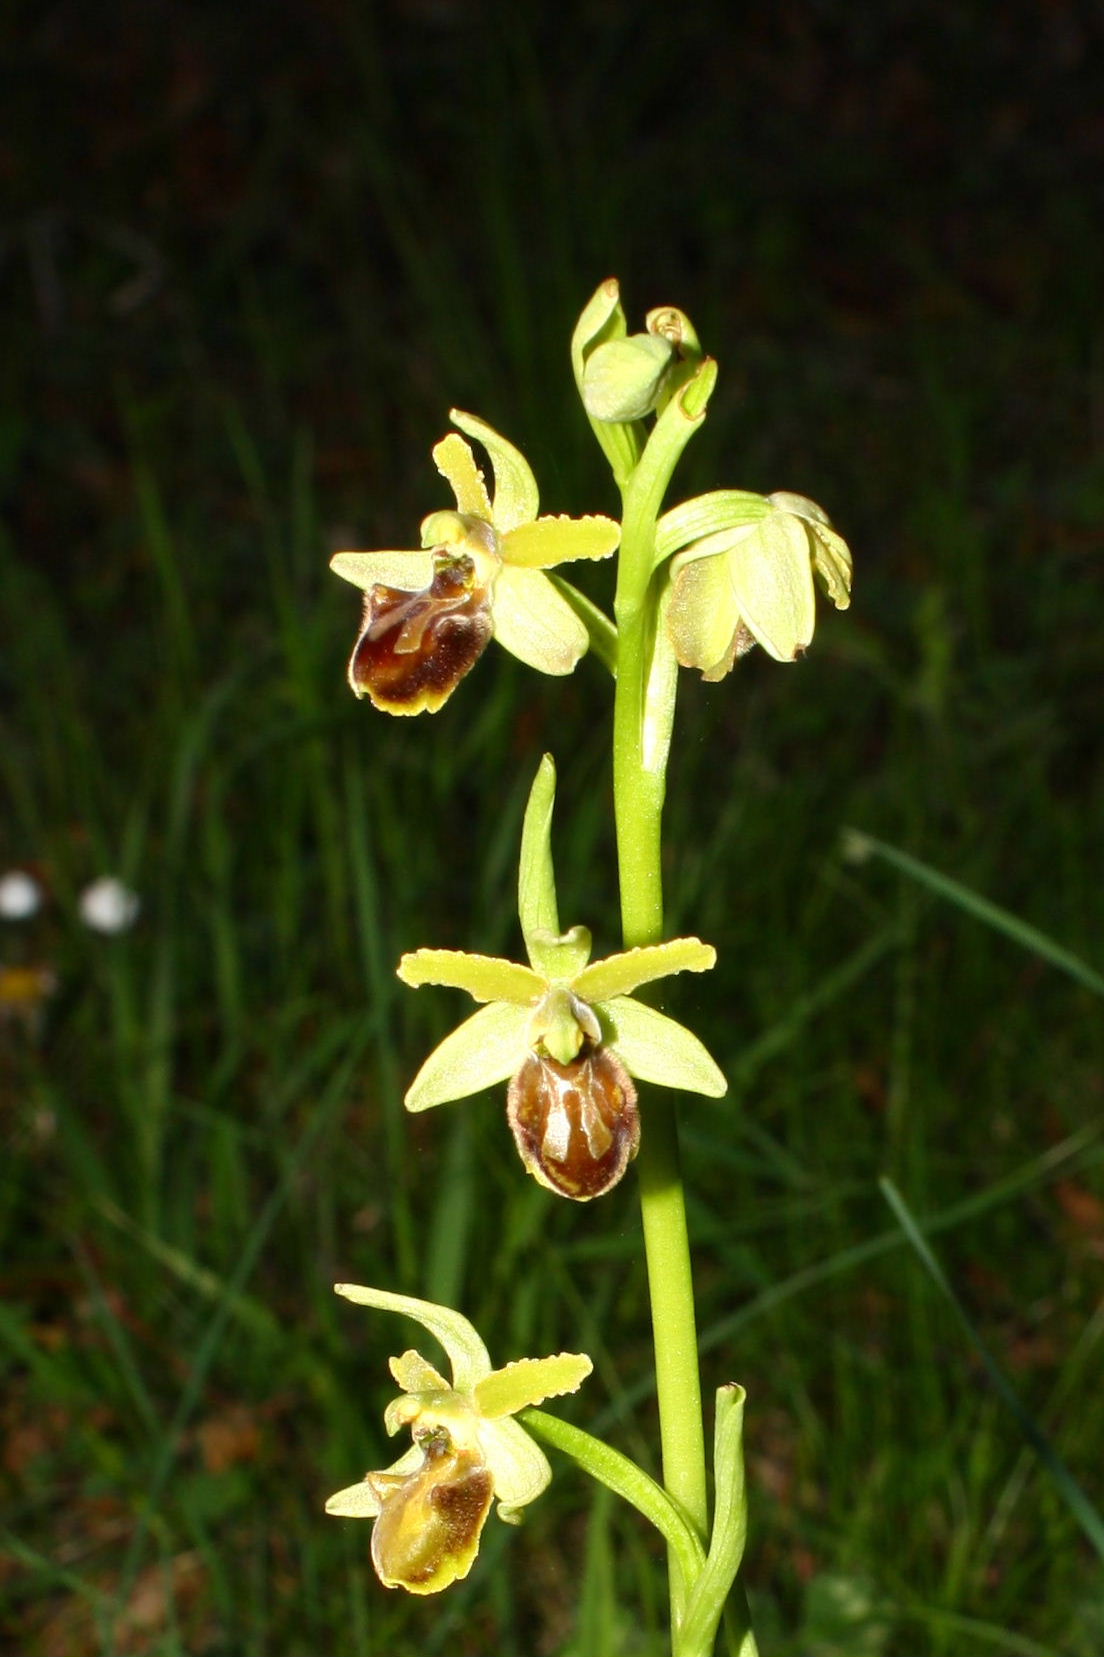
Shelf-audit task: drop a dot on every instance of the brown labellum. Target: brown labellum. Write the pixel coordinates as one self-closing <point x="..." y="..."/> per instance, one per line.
<point x="427" y="1533"/>
<point x="414" y="648"/>
<point x="576" y="1125"/>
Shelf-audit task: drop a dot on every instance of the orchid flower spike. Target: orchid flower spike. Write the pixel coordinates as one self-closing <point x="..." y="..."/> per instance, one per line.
<point x="430" y="1505"/>
<point x="429" y="614"/>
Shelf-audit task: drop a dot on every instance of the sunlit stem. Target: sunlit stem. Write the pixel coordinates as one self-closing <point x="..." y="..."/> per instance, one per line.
<point x="639" y="775"/>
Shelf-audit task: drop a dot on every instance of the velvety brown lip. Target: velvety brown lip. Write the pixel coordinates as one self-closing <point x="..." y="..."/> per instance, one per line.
<point x="414" y="648"/>
<point x="576" y="1125"/>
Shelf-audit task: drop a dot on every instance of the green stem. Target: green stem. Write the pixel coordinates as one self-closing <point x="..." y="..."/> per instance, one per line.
<point x="639" y="781"/>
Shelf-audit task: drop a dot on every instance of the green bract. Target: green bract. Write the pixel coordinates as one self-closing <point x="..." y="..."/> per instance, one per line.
<point x="509" y="548"/>
<point x="431" y="1504"/>
<point x="745" y="576"/>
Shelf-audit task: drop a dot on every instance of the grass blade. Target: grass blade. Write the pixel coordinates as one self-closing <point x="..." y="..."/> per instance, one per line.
<point x="1069" y="1489"/>
<point x="857" y="847"/>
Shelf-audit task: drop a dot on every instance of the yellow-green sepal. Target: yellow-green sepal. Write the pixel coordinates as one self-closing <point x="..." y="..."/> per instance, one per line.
<point x="771" y="570"/>
<point x="601" y="631"/>
<point x="538" y="910"/>
<point x="701" y="613"/>
<point x="708" y="514"/>
<point x="520" y="1466"/>
<point x="467" y="1354"/>
<point x="831" y="554"/>
<point x="516" y="497"/>
<point x="603" y="320"/>
<point x="554" y="955"/>
<point x="658" y="1049"/>
<point x="487" y="1048"/>
<point x="534" y="623"/>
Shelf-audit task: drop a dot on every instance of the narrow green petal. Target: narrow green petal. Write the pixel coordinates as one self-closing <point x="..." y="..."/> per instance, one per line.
<point x="771" y="570"/>
<point x="621" y="974"/>
<point x="456" y="463"/>
<point x="410" y="571"/>
<point x="530" y="1381"/>
<point x="535" y="624"/>
<point x="702" y="615"/>
<point x="657" y="1049"/>
<point x="518" y="1465"/>
<point x="515" y="488"/>
<point x="485" y="1049"/>
<point x="468" y="1356"/>
<point x="551" y="541"/>
<point x="414" y="1374"/>
<point x="485" y="977"/>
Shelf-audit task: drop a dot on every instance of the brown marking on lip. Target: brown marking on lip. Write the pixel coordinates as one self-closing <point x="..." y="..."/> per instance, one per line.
<point x="576" y="1125"/>
<point x="415" y="647"/>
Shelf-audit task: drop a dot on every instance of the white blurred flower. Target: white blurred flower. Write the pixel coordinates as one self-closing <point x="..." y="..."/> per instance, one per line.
<point x="108" y="905"/>
<point x="20" y="895"/>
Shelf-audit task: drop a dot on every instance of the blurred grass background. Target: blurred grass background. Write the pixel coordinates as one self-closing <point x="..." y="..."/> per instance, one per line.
<point x="250" y="256"/>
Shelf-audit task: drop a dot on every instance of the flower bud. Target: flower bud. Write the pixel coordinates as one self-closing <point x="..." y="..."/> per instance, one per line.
<point x="624" y="378"/>
<point x="576" y="1125"/>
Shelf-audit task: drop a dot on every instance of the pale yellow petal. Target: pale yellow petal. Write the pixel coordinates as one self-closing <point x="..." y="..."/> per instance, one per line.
<point x="703" y="614"/>
<point x="771" y="571"/>
<point x="517" y="1463"/>
<point x="535" y="624"/>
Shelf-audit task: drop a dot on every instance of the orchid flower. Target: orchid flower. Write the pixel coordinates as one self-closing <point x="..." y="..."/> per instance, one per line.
<point x="431" y="1504"/>
<point x="749" y="580"/>
<point x="429" y="614"/>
